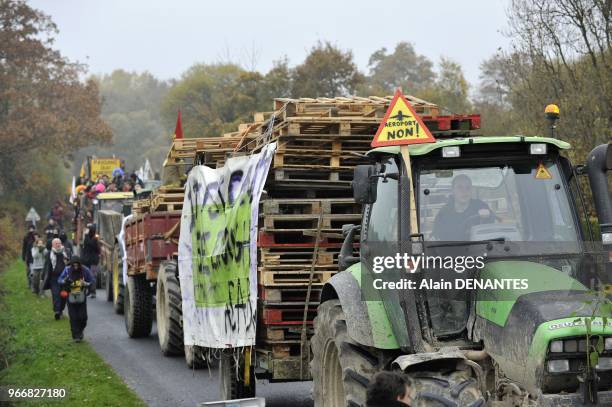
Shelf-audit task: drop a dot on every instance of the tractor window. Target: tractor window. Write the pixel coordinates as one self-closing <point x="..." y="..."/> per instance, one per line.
<point x="382" y="225"/>
<point x="111" y="205"/>
<point x="518" y="202"/>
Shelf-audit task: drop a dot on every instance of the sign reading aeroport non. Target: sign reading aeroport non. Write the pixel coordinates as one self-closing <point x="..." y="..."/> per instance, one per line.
<point x="401" y="125"/>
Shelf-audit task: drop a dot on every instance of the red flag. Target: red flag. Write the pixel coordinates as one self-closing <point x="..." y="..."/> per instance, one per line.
<point x="178" y="131"/>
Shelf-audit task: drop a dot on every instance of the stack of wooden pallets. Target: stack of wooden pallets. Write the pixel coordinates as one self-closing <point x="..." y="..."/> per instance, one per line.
<point x="186" y="152"/>
<point x="308" y="194"/>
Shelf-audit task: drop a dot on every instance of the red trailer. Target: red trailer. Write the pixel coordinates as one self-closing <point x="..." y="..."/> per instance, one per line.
<point x="151" y="242"/>
<point x="151" y="238"/>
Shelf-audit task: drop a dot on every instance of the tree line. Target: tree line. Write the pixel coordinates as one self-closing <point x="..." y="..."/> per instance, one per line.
<point x="50" y="117"/>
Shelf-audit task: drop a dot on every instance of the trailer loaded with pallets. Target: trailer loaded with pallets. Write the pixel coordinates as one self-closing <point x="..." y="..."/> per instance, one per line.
<point x="306" y="202"/>
<point x="151" y="245"/>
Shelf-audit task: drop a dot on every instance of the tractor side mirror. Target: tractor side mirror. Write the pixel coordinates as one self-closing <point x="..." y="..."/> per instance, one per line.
<point x="364" y="184"/>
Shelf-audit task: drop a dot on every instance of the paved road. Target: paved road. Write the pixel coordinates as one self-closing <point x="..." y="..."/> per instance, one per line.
<point x="163" y="381"/>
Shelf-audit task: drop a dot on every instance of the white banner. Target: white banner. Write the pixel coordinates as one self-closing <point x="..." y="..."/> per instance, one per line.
<point x="218" y="251"/>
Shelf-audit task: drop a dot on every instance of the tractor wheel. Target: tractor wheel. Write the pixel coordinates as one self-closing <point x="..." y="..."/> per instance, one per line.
<point x="118" y="288"/>
<point x="194" y="358"/>
<point x="232" y="384"/>
<point x="341" y="369"/>
<point x="138" y="307"/>
<point x="168" y="311"/>
<point x="454" y="388"/>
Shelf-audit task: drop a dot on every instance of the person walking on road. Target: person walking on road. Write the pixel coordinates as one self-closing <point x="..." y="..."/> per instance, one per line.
<point x="51" y="231"/>
<point x="26" y="250"/>
<point x="75" y="279"/>
<point x="56" y="262"/>
<point x="37" y="266"/>
<point x="67" y="244"/>
<point x="91" y="254"/>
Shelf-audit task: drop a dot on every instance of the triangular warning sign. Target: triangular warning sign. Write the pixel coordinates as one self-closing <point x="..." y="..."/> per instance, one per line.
<point x="401" y="125"/>
<point x="542" y="172"/>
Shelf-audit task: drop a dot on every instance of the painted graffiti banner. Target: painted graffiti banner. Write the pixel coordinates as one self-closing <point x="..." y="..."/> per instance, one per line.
<point x="218" y="251"/>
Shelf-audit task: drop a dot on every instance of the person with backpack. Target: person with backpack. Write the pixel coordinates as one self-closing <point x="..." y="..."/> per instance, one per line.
<point x="26" y="250"/>
<point x="75" y="281"/>
<point x="91" y="254"/>
<point x="37" y="265"/>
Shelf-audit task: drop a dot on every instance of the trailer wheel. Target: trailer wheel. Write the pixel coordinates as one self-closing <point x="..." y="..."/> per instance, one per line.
<point x="118" y="288"/>
<point x="341" y="369"/>
<point x="100" y="277"/>
<point x="194" y="358"/>
<point x="231" y="384"/>
<point x="168" y="309"/>
<point x="108" y="283"/>
<point x="138" y="307"/>
<point x="454" y="388"/>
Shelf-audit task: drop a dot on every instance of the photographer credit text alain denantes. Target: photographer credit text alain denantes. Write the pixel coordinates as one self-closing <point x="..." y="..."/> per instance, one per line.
<point x="458" y="264"/>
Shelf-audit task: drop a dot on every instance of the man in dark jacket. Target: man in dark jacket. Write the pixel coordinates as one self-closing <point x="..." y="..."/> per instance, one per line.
<point x="66" y="243"/>
<point x="75" y="279"/>
<point x="389" y="389"/>
<point x="455" y="220"/>
<point x="26" y="249"/>
<point x="55" y="263"/>
<point x="91" y="254"/>
<point x="51" y="231"/>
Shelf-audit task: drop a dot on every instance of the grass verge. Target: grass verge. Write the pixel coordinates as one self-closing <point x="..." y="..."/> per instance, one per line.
<point x="38" y="352"/>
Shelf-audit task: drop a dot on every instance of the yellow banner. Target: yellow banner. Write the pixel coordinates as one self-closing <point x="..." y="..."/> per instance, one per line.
<point x="103" y="166"/>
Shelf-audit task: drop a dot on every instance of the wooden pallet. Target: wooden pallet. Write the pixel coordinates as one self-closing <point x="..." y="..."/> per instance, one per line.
<point x="372" y="106"/>
<point x="317" y="176"/>
<point x="286" y="316"/>
<point x="312" y="159"/>
<point x="290" y="256"/>
<point x="283" y="296"/>
<point x="310" y="206"/>
<point x="290" y="222"/>
<point x="282" y="332"/>
<point x="295" y="239"/>
<point x="269" y="278"/>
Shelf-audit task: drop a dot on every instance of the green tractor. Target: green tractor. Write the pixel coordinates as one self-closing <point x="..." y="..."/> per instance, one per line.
<point x="527" y="326"/>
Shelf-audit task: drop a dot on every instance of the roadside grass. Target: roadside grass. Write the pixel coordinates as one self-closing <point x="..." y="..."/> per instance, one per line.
<point x="40" y="353"/>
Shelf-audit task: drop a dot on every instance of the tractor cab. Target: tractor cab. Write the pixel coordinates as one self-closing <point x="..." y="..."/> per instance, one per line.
<point x="505" y="264"/>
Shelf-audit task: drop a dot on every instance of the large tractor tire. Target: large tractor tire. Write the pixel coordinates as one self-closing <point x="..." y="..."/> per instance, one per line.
<point x="168" y="310"/>
<point x="138" y="307"/>
<point x="194" y="358"/>
<point x="232" y="384"/>
<point x="118" y="287"/>
<point x="341" y="369"/>
<point x="454" y="388"/>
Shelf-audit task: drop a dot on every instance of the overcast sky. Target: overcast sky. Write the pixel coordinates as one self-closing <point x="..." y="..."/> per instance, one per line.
<point x="166" y="37"/>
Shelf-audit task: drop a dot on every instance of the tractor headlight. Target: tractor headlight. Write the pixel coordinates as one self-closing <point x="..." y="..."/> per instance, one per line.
<point x="556" y="346"/>
<point x="608" y="343"/>
<point x="451" y="152"/>
<point x="571" y="346"/>
<point x="537" y="148"/>
<point x="558" y="366"/>
<point x="604" y="364"/>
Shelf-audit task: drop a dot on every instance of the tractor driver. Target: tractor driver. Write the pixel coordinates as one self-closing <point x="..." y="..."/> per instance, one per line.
<point x="455" y="219"/>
